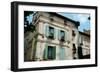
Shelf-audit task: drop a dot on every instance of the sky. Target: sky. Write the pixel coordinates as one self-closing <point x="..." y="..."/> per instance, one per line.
<point x="82" y="18"/>
<point x="29" y="18"/>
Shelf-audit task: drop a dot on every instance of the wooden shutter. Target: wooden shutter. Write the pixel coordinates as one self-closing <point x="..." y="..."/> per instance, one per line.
<point x="58" y="34"/>
<point x="55" y="33"/>
<point x="46" y="51"/>
<point x="54" y="52"/>
<point x="62" y="53"/>
<point x="66" y="36"/>
<point x="46" y="31"/>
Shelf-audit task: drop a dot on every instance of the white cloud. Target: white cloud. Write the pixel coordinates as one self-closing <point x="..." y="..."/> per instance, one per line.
<point x="82" y="18"/>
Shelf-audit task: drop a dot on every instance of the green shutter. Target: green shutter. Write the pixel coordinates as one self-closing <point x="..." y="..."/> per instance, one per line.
<point x="46" y="31"/>
<point x="58" y="34"/>
<point x="55" y="33"/>
<point x="62" y="53"/>
<point x="54" y="53"/>
<point x="46" y="51"/>
<point x="66" y="35"/>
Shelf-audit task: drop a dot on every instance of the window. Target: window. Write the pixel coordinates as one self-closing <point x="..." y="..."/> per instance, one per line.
<point x="49" y="52"/>
<point x="51" y="33"/>
<point x="73" y="33"/>
<point x="74" y="49"/>
<point x="62" y="35"/>
<point x="80" y="52"/>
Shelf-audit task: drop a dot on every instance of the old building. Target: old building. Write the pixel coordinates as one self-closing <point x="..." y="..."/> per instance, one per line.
<point x="55" y="38"/>
<point x="84" y="45"/>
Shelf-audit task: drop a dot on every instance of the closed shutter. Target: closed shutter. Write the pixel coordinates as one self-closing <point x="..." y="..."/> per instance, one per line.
<point x="62" y="53"/>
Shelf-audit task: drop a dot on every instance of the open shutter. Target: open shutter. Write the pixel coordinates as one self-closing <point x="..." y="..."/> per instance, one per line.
<point x="54" y="53"/>
<point x="79" y="39"/>
<point x="46" y="52"/>
<point x="58" y="34"/>
<point x="55" y="33"/>
<point x="66" y="35"/>
<point x="46" y="31"/>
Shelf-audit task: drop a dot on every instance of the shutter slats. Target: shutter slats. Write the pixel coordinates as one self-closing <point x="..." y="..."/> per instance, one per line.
<point x="46" y="51"/>
<point x="46" y="31"/>
<point x="55" y="33"/>
<point x="58" y="34"/>
<point x="54" y="52"/>
<point x="66" y="34"/>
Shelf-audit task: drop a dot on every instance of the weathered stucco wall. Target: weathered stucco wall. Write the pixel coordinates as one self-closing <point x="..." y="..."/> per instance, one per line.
<point x="58" y="24"/>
